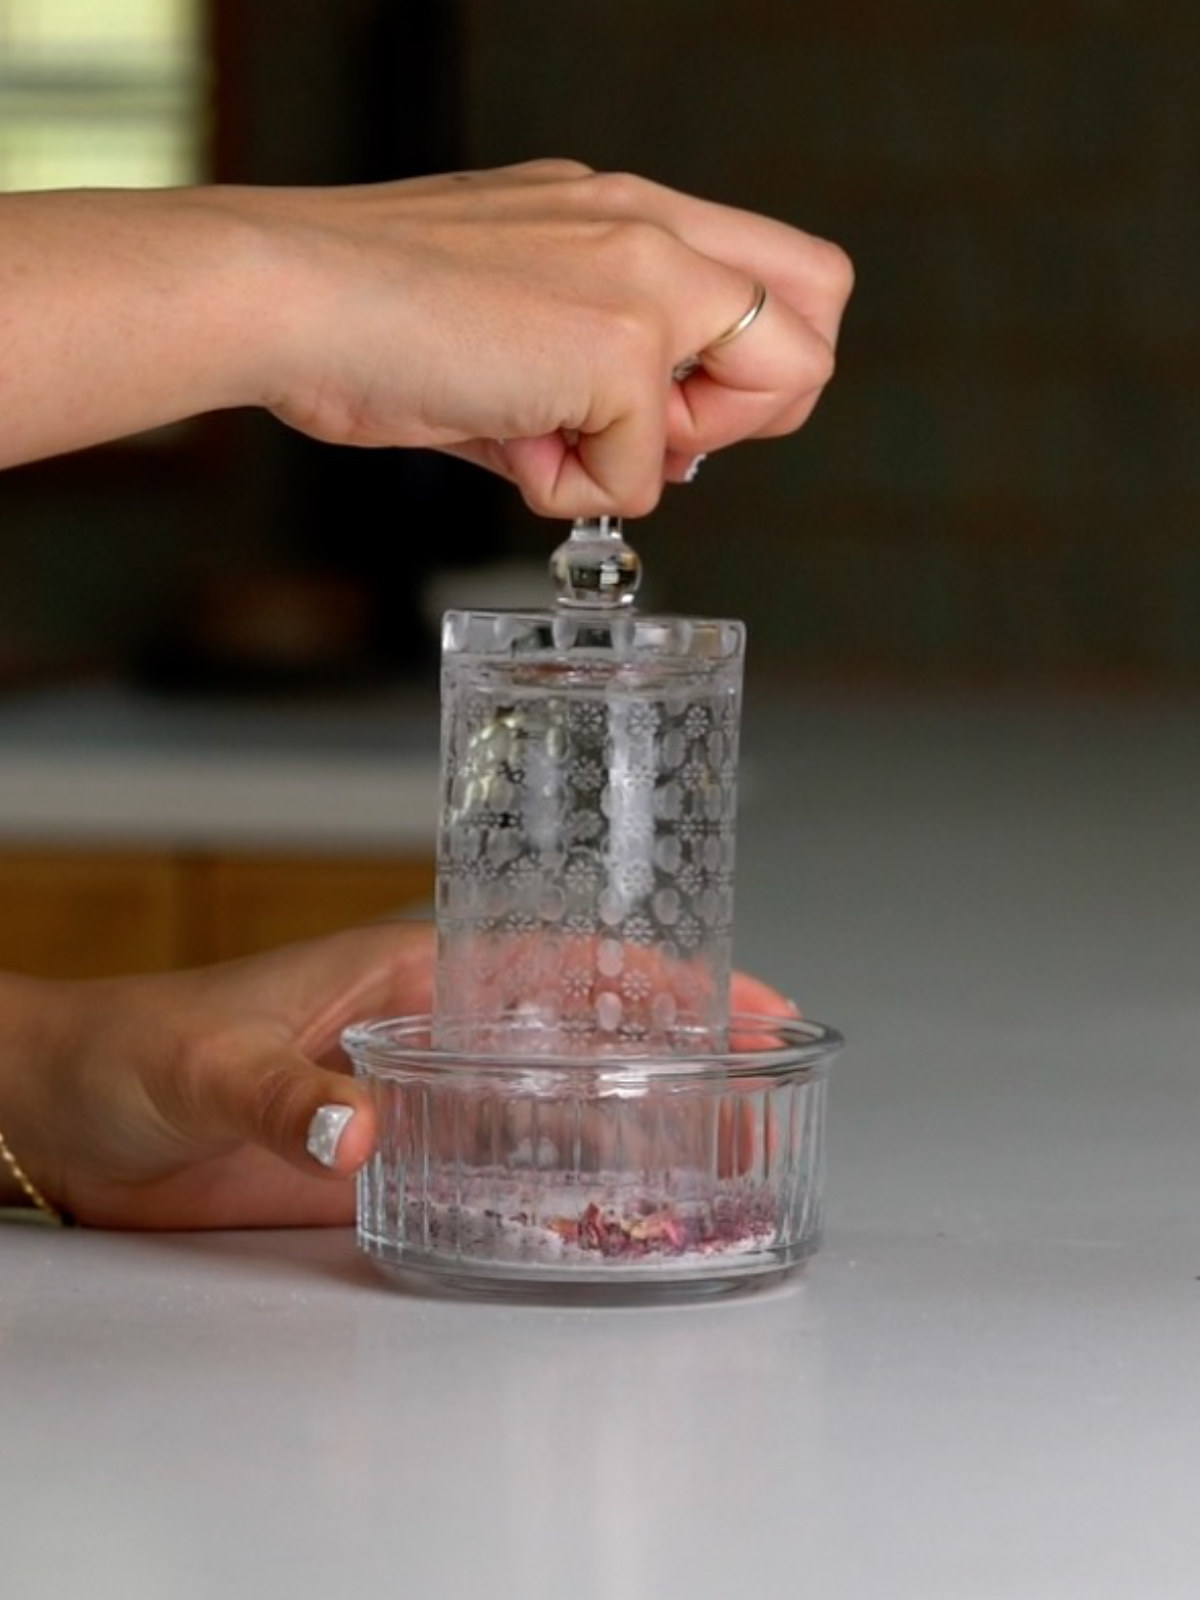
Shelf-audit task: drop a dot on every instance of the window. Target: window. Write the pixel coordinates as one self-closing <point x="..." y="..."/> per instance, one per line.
<point x="103" y="92"/>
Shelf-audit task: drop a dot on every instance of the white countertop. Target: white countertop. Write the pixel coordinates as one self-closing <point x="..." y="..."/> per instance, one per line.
<point x="985" y="1385"/>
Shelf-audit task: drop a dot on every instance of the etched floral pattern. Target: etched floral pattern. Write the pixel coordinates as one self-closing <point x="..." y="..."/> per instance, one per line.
<point x="586" y="851"/>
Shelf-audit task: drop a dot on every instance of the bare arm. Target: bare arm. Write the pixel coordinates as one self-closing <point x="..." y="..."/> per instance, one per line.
<point x="528" y="319"/>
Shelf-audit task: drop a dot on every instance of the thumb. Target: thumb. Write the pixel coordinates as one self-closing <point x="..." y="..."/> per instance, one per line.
<point x="311" y="1117"/>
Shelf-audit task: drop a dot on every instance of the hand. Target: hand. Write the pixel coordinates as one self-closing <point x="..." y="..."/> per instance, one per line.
<point x="529" y="319"/>
<point x="184" y="1100"/>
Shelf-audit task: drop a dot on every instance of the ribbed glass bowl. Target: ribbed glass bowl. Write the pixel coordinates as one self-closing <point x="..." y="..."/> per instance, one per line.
<point x="502" y="1166"/>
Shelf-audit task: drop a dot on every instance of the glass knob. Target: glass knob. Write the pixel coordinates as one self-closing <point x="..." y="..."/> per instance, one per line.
<point x="594" y="567"/>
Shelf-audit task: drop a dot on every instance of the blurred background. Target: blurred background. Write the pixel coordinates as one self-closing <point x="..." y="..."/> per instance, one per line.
<point x="1000" y="484"/>
<point x="218" y="702"/>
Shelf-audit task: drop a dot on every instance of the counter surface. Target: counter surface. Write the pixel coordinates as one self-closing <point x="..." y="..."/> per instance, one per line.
<point x="984" y="1385"/>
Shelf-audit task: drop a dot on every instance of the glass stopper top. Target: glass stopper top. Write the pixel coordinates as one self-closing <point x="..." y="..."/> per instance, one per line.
<point x="594" y="567"/>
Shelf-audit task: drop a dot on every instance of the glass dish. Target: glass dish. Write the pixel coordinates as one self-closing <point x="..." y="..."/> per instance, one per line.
<point x="510" y="1168"/>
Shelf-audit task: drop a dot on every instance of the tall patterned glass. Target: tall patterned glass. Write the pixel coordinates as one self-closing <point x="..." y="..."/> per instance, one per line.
<point x="587" y="827"/>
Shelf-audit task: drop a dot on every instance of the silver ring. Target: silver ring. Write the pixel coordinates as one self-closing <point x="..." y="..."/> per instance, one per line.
<point x="690" y="363"/>
<point x="743" y="322"/>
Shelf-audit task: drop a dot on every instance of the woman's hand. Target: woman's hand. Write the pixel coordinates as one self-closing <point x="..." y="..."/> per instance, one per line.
<point x="530" y="319"/>
<point x="185" y="1100"/>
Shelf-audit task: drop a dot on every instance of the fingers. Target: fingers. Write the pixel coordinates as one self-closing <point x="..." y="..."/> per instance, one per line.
<point x="753" y="997"/>
<point x="618" y="464"/>
<point x="251" y="1049"/>
<point x="762" y="384"/>
<point x="529" y="319"/>
<point x="283" y="1096"/>
<point x="318" y="1121"/>
<point x="813" y="276"/>
<point x="765" y="379"/>
<point x="310" y="989"/>
<point x="647" y="428"/>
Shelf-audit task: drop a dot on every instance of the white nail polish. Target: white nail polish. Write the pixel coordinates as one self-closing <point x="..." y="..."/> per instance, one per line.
<point x="325" y="1132"/>
<point x="690" y="475"/>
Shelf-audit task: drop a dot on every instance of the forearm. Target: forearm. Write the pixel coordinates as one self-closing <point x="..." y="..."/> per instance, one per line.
<point x="532" y="320"/>
<point x="121" y="310"/>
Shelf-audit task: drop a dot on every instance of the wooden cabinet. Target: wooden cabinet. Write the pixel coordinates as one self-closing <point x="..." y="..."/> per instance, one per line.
<point x="95" y="913"/>
<point x="71" y="914"/>
<point x="239" y="904"/>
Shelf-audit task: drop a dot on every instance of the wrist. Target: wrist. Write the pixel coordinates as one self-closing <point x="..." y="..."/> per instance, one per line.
<point x="237" y="292"/>
<point x="29" y="1173"/>
<point x="220" y="296"/>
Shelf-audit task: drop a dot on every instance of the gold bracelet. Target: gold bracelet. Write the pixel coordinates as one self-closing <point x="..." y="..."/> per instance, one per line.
<point x="30" y="1189"/>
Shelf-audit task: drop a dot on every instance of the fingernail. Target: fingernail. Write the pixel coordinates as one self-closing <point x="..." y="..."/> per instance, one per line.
<point x="697" y="462"/>
<point x="793" y="1007"/>
<point x="325" y="1132"/>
